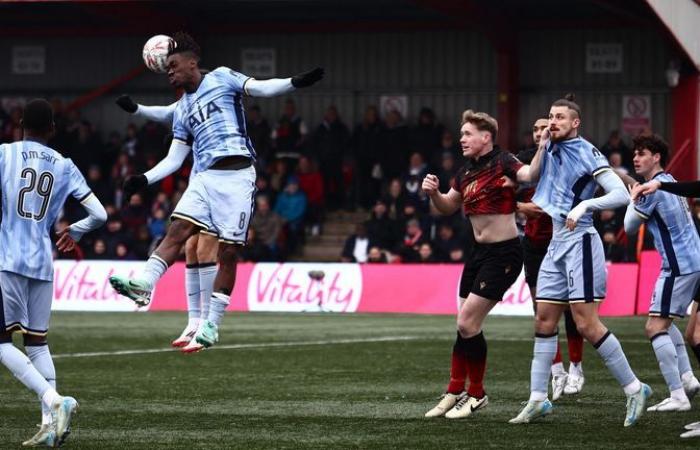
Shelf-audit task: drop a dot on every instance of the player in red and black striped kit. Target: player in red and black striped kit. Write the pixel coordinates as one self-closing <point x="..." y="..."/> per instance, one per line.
<point x="481" y="189"/>
<point x="538" y="233"/>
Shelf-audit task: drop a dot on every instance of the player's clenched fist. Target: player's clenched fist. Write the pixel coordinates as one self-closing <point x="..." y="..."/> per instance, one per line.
<point x="430" y="184"/>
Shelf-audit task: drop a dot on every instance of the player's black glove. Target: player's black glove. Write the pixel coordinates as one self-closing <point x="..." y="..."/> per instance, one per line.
<point x="133" y="184"/>
<point x="306" y="79"/>
<point x="127" y="104"/>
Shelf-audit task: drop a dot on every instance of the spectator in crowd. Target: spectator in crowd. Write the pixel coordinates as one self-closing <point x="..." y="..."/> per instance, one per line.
<point x="142" y="243"/>
<point x="330" y="141"/>
<point x="457" y="255"/>
<point x="377" y="256"/>
<point x="98" y="250"/>
<point x="157" y="225"/>
<point x="395" y="199"/>
<point x="609" y="220"/>
<point x="357" y="246"/>
<point x="291" y="206"/>
<point x="425" y="136"/>
<point x="12" y="126"/>
<point x="615" y="143"/>
<point x="254" y="250"/>
<point x="445" y="241"/>
<point x="447" y="146"/>
<point x="614" y="251"/>
<point x="393" y="155"/>
<point x="259" y="132"/>
<point x="289" y="135"/>
<point x="381" y="229"/>
<point x="615" y="160"/>
<point x="412" y="240"/>
<point x="263" y="187"/>
<point x="279" y="172"/>
<point x="366" y="146"/>
<point x="267" y="225"/>
<point x="135" y="214"/>
<point x="98" y="185"/>
<point x="113" y="234"/>
<point x="412" y="179"/>
<point x="425" y="254"/>
<point x="123" y="253"/>
<point x="311" y="184"/>
<point x="446" y="171"/>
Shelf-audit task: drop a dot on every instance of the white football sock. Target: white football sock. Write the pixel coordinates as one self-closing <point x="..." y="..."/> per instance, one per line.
<point x="194" y="309"/>
<point x="40" y="356"/>
<point x="219" y="302"/>
<point x="155" y="268"/>
<point x="207" y="274"/>
<point x="22" y="368"/>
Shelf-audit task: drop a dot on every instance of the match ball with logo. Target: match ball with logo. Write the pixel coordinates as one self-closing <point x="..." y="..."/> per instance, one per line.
<point x="155" y="53"/>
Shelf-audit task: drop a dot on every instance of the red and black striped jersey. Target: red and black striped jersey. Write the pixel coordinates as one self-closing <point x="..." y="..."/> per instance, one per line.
<point x="481" y="183"/>
<point x="537" y="229"/>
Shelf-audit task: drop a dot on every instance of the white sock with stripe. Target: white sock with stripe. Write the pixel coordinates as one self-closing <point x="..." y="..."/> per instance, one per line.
<point x="154" y="270"/>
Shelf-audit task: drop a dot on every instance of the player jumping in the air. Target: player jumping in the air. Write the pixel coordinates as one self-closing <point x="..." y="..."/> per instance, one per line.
<point x="573" y="273"/>
<point x="200" y="249"/>
<point x="220" y="196"/>
<point x="668" y="218"/>
<point x="538" y="233"/>
<point x="495" y="263"/>
<point x="36" y="180"/>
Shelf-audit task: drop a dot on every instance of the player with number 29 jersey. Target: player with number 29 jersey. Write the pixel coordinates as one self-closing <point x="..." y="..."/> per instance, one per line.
<point x="35" y="180"/>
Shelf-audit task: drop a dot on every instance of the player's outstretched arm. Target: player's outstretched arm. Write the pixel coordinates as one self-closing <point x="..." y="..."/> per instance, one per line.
<point x="97" y="216"/>
<point x="445" y="204"/>
<point x="531" y="173"/>
<point x="280" y="86"/>
<point x="162" y="114"/>
<point x="684" y="188"/>
<point x="173" y="161"/>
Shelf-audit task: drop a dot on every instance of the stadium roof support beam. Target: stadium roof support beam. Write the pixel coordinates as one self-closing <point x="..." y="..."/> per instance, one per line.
<point x="681" y="18"/>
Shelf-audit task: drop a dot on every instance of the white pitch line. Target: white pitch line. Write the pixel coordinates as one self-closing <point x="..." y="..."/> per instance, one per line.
<point x="244" y="346"/>
<point x="295" y="344"/>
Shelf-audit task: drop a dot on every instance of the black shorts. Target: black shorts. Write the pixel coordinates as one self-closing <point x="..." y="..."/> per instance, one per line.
<point x="532" y="258"/>
<point x="492" y="269"/>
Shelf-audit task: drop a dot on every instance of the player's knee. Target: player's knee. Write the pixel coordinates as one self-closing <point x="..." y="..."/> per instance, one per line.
<point x="466" y="327"/>
<point x="695" y="336"/>
<point x="654" y="327"/>
<point x="544" y="324"/>
<point x="207" y="252"/>
<point x="587" y="329"/>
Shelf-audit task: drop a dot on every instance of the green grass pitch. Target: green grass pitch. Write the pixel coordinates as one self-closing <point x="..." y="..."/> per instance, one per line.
<point x="321" y="381"/>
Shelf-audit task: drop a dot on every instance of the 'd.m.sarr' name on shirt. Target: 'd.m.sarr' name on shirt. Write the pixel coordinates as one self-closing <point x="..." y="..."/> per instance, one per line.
<point x="39" y="155"/>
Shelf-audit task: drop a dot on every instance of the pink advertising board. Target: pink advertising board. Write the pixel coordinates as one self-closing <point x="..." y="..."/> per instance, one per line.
<point x="309" y="287"/>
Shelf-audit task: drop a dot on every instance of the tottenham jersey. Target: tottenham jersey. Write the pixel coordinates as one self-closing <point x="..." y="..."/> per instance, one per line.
<point x="670" y="222"/>
<point x="35" y="182"/>
<point x="567" y="177"/>
<point x="213" y="119"/>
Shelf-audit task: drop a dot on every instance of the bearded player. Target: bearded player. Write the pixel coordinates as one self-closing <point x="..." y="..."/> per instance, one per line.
<point x="538" y="234"/>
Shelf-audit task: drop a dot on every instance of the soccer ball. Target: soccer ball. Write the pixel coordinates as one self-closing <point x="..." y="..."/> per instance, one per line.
<point x="155" y="52"/>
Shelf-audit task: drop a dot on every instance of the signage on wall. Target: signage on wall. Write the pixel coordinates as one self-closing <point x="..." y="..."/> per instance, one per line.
<point x="28" y="60"/>
<point x="604" y="58"/>
<point x="398" y="103"/>
<point x="636" y="114"/>
<point x="259" y="62"/>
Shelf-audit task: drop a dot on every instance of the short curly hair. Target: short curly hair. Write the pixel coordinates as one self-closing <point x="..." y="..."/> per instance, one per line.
<point x="654" y="143"/>
<point x="182" y="42"/>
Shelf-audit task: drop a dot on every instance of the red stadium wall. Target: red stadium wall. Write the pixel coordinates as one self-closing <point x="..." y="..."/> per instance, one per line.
<point x="415" y="289"/>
